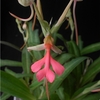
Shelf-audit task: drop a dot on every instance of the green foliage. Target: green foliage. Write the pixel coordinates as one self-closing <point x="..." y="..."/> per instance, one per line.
<point x="85" y="89"/>
<point x="77" y="81"/>
<point x="10" y="63"/>
<point x="15" y="87"/>
<point x="92" y="97"/>
<point x="91" y="48"/>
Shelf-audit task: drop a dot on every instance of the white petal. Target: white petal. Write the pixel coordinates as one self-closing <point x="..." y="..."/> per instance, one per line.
<point x="56" y="49"/>
<point x="37" y="47"/>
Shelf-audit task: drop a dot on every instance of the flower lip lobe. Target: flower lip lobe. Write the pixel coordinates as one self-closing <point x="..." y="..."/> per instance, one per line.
<point x="50" y="76"/>
<point x="57" y="67"/>
<point x="41" y="74"/>
<point x="37" y="65"/>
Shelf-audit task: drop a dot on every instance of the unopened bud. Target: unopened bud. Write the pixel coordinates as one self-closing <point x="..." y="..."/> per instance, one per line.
<point x="25" y="3"/>
<point x="24" y="26"/>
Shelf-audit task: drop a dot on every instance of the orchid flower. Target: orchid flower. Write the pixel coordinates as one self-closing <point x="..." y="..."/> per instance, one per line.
<point x="42" y="67"/>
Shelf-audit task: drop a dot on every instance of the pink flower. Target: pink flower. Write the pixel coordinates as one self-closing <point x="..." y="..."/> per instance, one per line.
<point x="47" y="66"/>
<point x="43" y="69"/>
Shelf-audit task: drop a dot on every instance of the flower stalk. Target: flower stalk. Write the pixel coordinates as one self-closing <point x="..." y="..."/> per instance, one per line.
<point x="75" y="22"/>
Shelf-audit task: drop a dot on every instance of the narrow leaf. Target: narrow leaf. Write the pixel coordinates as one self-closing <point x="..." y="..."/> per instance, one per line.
<point x="63" y="58"/>
<point x="12" y="85"/>
<point x="73" y="48"/>
<point x="94" y="63"/>
<point x="85" y="90"/>
<point x="33" y="40"/>
<point x="10" y="63"/>
<point x="33" y="35"/>
<point x="4" y="96"/>
<point x="17" y="75"/>
<point x="92" y="97"/>
<point x="10" y="45"/>
<point x="91" y="73"/>
<point x="80" y="44"/>
<point x="91" y="48"/>
<point x="35" y="84"/>
<point x="26" y="61"/>
<point x="60" y="93"/>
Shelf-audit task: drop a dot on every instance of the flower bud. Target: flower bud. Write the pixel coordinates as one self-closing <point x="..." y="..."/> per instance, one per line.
<point x="24" y="26"/>
<point x="25" y="3"/>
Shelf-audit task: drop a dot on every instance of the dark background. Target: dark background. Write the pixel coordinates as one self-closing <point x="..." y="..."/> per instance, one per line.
<point x="87" y="13"/>
<point x="88" y="20"/>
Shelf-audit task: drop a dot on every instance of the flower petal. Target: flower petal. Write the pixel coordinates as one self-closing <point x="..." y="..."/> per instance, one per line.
<point x="37" y="47"/>
<point x="56" y="49"/>
<point x="50" y="76"/>
<point x="37" y="65"/>
<point x="57" y="67"/>
<point x="41" y="74"/>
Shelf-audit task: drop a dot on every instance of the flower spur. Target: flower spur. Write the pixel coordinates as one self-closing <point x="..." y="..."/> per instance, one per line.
<point x="25" y="3"/>
<point x="43" y="66"/>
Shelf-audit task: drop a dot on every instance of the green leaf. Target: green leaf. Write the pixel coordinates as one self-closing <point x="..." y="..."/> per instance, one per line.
<point x="26" y="63"/>
<point x="10" y="63"/>
<point x="45" y="27"/>
<point x="95" y="96"/>
<point x="21" y="75"/>
<point x="17" y="75"/>
<point x="80" y="44"/>
<point x="33" y="38"/>
<point x="4" y="96"/>
<point x="60" y="93"/>
<point x="73" y="48"/>
<point x="68" y="69"/>
<point x="13" y="86"/>
<point x="91" y="48"/>
<point x="69" y="84"/>
<point x="35" y="84"/>
<point x="52" y="97"/>
<point x="94" y="63"/>
<point x="58" y="35"/>
<point x="63" y="58"/>
<point x="10" y="72"/>
<point x="10" y="45"/>
<point x="37" y="55"/>
<point x="55" y="29"/>
<point x="67" y="96"/>
<point x="85" y="90"/>
<point x="91" y="73"/>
